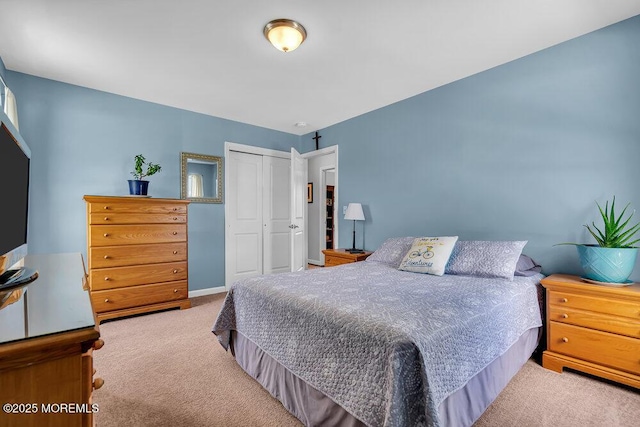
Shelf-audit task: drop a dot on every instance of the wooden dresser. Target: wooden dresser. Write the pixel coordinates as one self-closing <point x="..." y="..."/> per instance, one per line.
<point x="137" y="250"/>
<point x="341" y="256"/>
<point x="48" y="333"/>
<point x="593" y="328"/>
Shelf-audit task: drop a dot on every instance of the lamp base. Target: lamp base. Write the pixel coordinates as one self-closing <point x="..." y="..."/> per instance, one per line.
<point x="355" y="251"/>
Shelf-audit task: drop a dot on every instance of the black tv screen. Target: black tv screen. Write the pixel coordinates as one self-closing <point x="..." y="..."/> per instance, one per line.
<point x="14" y="181"/>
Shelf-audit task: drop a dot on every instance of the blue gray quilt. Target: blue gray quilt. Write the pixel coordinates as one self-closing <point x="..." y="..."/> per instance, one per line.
<point x="386" y="345"/>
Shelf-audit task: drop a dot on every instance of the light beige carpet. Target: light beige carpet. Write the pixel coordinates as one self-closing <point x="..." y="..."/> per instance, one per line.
<point x="167" y="369"/>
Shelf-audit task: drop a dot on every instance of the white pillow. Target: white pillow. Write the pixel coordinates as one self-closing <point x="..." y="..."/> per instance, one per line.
<point x="429" y="255"/>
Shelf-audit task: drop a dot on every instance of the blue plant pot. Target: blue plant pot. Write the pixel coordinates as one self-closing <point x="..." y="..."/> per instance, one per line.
<point x="613" y="265"/>
<point x="137" y="187"/>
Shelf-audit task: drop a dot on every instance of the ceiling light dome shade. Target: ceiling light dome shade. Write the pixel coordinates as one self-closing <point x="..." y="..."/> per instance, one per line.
<point x="284" y="34"/>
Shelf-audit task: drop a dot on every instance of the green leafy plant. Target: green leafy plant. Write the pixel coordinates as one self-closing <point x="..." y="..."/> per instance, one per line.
<point x="138" y="168"/>
<point x="616" y="234"/>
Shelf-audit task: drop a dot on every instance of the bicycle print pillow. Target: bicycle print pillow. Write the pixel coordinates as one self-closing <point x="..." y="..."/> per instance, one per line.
<point x="429" y="255"/>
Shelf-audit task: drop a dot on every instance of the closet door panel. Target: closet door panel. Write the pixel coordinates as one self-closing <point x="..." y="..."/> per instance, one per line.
<point x="276" y="214"/>
<point x="244" y="224"/>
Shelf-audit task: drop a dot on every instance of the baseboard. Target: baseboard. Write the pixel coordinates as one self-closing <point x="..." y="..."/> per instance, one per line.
<point x="314" y="262"/>
<point x="208" y="291"/>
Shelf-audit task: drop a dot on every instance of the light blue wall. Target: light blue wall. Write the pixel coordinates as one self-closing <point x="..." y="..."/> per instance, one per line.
<point x="519" y="152"/>
<point x="83" y="142"/>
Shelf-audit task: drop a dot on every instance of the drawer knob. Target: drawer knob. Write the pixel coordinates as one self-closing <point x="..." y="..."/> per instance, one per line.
<point x="175" y="218"/>
<point x="565" y="316"/>
<point x="175" y="291"/>
<point x="97" y="345"/>
<point x="565" y="339"/>
<point x="106" y="208"/>
<point x="97" y="383"/>
<point x="106" y="218"/>
<point x="175" y="209"/>
<point x="106" y="257"/>
<point x="175" y="271"/>
<point x="106" y="300"/>
<point x="106" y="234"/>
<point x="106" y="278"/>
<point x="175" y="252"/>
<point x="175" y="232"/>
<point x="564" y="300"/>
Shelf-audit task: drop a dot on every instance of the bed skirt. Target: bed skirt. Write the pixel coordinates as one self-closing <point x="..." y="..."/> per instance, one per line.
<point x="314" y="408"/>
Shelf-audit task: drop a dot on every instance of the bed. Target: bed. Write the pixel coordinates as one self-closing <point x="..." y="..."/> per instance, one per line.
<point x="366" y="344"/>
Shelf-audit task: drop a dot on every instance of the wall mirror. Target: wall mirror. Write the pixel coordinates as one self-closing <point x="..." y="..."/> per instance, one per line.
<point x="201" y="178"/>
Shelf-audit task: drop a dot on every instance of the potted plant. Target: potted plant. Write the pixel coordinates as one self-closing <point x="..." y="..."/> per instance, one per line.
<point x="138" y="186"/>
<point x="613" y="258"/>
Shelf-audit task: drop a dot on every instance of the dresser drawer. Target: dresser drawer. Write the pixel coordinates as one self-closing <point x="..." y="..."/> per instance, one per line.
<point x="597" y="304"/>
<point x="112" y="235"/>
<point x="590" y="319"/>
<point x="119" y="277"/>
<point x="136" y="206"/>
<point x="604" y="348"/>
<point x="117" y="256"/>
<point x="134" y="218"/>
<point x="115" y="299"/>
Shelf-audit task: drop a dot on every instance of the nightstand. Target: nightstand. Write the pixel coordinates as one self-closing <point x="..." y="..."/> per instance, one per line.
<point x="593" y="328"/>
<point x="341" y="256"/>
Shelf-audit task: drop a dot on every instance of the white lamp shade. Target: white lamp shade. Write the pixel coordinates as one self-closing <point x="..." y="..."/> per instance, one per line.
<point x="354" y="212"/>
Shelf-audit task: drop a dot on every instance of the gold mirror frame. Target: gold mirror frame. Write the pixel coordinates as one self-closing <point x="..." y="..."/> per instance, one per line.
<point x="188" y="158"/>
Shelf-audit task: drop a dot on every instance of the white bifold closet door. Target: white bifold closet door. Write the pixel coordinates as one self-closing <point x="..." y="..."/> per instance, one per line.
<point x="258" y="217"/>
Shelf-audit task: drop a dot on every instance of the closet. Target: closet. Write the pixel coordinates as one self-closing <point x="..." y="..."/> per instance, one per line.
<point x="257" y="236"/>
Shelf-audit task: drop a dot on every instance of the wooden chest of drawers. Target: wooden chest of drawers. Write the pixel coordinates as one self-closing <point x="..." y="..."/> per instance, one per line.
<point x="593" y="328"/>
<point x="137" y="254"/>
<point x="341" y="256"/>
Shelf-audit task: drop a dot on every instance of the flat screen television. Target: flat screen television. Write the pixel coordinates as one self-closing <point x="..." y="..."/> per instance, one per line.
<point x="15" y="158"/>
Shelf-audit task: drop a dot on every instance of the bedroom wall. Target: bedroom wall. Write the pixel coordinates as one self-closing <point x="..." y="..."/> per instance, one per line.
<point x="518" y="152"/>
<point x="83" y="142"/>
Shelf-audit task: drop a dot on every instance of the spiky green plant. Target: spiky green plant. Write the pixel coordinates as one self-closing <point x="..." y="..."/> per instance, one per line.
<point x="138" y="172"/>
<point x="614" y="235"/>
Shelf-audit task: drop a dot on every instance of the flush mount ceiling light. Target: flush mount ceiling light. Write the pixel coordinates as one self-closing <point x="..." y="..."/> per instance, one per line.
<point x="284" y="34"/>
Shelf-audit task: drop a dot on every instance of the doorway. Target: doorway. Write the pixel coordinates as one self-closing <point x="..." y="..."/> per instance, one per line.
<point x="322" y="220"/>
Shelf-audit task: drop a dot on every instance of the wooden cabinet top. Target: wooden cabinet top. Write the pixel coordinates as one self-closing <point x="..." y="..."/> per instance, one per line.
<point x="344" y="253"/>
<point x="133" y="199"/>
<point x="53" y="304"/>
<point x="576" y="284"/>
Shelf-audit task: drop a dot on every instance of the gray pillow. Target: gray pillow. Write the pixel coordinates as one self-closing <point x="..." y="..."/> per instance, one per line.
<point x="392" y="251"/>
<point x="485" y="258"/>
<point x="526" y="266"/>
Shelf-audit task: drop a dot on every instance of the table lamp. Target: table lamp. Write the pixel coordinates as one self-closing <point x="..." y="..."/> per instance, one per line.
<point x="354" y="212"/>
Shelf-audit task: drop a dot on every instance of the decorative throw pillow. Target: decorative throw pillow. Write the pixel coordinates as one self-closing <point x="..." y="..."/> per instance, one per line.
<point x="485" y="258"/>
<point x="429" y="255"/>
<point x="392" y="251"/>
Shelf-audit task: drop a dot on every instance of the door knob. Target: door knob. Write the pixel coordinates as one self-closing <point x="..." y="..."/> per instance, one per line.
<point x="292" y="226"/>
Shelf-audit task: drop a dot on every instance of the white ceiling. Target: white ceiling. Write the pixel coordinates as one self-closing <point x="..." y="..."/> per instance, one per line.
<point x="211" y="57"/>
